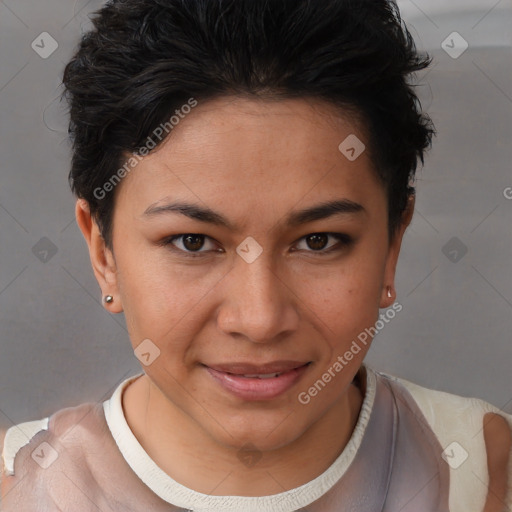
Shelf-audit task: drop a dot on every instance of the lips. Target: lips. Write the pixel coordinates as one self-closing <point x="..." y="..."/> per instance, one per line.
<point x="258" y="382"/>
<point x="248" y="369"/>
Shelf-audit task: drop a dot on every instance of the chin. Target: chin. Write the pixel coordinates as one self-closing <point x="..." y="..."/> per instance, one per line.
<point x="267" y="431"/>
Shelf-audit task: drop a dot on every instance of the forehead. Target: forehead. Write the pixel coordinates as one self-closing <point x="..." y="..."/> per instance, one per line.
<point x="301" y="125"/>
<point x="256" y="150"/>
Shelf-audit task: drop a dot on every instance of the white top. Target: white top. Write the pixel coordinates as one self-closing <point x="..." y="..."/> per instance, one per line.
<point x="402" y="430"/>
<point x="173" y="492"/>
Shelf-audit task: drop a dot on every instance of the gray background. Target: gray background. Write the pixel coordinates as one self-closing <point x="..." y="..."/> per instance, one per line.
<point x="59" y="347"/>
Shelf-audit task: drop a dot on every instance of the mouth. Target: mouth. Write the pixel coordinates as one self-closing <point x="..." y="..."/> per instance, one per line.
<point x="258" y="382"/>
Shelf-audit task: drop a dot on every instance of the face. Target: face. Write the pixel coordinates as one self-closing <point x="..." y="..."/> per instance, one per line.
<point x="227" y="262"/>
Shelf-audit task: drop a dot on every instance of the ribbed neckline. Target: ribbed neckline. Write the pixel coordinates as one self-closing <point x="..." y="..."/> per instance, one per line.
<point x="177" y="494"/>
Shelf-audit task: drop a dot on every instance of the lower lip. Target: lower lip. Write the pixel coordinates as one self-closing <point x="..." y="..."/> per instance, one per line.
<point x="258" y="389"/>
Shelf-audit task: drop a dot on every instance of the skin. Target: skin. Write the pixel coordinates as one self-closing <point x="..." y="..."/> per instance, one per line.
<point x="254" y="162"/>
<point x="498" y="440"/>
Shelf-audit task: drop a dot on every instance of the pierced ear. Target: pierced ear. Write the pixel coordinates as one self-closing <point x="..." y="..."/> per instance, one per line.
<point x="102" y="258"/>
<point x="388" y="295"/>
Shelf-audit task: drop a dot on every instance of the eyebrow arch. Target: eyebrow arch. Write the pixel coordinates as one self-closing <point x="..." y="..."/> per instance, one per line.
<point x="311" y="214"/>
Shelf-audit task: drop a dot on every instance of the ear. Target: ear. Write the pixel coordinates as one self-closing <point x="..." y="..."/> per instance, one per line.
<point x="388" y="296"/>
<point x="102" y="258"/>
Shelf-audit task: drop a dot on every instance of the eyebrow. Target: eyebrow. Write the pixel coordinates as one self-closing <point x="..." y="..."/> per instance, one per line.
<point x="311" y="214"/>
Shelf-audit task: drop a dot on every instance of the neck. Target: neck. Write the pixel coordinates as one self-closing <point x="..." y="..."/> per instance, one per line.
<point x="194" y="459"/>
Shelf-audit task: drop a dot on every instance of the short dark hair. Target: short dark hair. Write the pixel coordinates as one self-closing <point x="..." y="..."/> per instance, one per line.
<point x="144" y="59"/>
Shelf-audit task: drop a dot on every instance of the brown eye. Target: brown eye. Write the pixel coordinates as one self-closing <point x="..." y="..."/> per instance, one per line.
<point x="317" y="241"/>
<point x="190" y="244"/>
<point x="193" y="242"/>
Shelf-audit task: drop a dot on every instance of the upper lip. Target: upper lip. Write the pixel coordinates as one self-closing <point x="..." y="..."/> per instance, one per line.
<point x="257" y="369"/>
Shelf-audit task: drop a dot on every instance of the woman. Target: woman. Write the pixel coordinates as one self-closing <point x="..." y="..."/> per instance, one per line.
<point x="244" y="177"/>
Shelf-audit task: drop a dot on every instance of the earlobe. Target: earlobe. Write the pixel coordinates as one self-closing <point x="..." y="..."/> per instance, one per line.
<point x="102" y="259"/>
<point x="388" y="295"/>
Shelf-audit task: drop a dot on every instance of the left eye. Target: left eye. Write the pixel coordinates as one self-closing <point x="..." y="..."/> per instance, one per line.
<point x="317" y="242"/>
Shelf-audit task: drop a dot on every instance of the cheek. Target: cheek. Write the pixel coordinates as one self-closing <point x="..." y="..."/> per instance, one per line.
<point x="347" y="299"/>
<point x="161" y="297"/>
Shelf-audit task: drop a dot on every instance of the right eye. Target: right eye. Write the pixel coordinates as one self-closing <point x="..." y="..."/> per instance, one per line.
<point x="191" y="243"/>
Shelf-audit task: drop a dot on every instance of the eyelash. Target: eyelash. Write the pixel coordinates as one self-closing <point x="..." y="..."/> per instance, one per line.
<point x="344" y="241"/>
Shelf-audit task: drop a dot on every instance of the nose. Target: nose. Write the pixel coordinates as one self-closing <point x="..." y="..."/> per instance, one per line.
<point x="259" y="303"/>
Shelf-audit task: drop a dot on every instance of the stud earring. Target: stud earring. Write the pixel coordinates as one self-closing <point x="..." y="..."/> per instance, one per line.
<point x="390" y="295"/>
<point x="108" y="299"/>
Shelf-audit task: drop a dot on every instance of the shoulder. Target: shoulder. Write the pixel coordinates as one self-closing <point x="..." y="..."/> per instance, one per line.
<point x="16" y="437"/>
<point x="476" y="439"/>
<point x="37" y="453"/>
<point x="498" y="441"/>
<point x="68" y="426"/>
<point x="447" y="412"/>
<point x="11" y="441"/>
